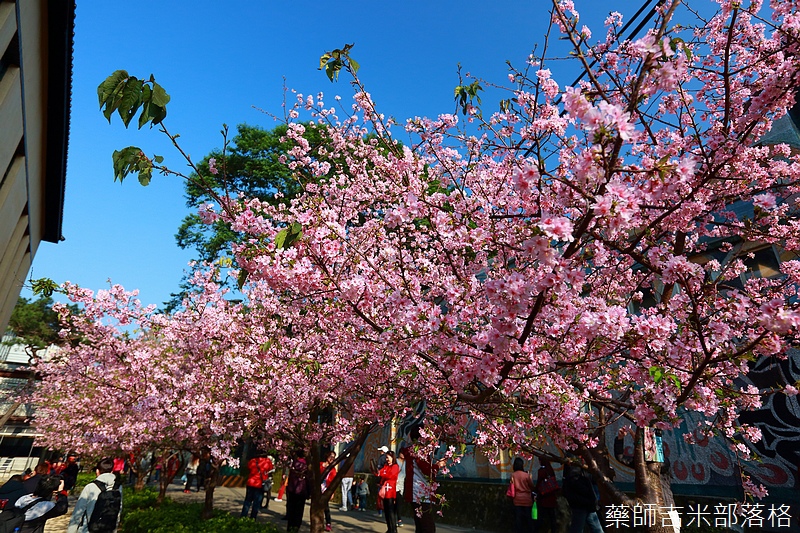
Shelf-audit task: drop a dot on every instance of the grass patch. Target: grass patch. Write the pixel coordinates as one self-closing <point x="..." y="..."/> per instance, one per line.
<point x="140" y="515"/>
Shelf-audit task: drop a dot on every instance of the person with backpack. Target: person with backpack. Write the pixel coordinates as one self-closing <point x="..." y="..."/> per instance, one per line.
<point x="100" y="504"/>
<point x="35" y="509"/>
<point x="297" y="491"/>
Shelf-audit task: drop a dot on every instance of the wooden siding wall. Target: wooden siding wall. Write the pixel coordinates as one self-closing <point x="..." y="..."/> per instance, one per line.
<point x="22" y="116"/>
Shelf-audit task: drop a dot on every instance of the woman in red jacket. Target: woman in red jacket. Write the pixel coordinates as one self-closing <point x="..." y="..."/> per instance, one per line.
<point x="388" y="483"/>
<point x="329" y="459"/>
<point x="259" y="469"/>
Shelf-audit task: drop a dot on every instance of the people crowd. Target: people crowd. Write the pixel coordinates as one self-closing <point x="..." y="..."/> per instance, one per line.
<point x="403" y="476"/>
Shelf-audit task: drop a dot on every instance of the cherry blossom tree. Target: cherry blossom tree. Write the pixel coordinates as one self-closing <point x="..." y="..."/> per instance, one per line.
<point x="581" y="257"/>
<point x="207" y="376"/>
<point x="132" y="380"/>
<point x="578" y="258"/>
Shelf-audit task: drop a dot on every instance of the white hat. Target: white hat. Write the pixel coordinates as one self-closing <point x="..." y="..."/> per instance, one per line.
<point x="384" y="449"/>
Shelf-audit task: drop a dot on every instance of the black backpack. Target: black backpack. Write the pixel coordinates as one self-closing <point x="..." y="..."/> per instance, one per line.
<point x="106" y="509"/>
<point x="13" y="518"/>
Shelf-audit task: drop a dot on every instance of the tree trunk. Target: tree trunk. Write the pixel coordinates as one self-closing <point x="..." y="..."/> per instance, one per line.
<point x="649" y="491"/>
<point x="317" y="515"/>
<point x="141" y="477"/>
<point x="171" y="462"/>
<point x="211" y="484"/>
<point x="9" y="413"/>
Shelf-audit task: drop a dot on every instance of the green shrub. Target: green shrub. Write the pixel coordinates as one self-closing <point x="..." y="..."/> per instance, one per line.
<point x="140" y="499"/>
<point x="84" y="478"/>
<point x="140" y="515"/>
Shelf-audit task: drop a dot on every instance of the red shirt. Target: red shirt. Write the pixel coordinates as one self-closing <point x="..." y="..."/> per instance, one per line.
<point x="258" y="468"/>
<point x="330" y="477"/>
<point x="388" y="475"/>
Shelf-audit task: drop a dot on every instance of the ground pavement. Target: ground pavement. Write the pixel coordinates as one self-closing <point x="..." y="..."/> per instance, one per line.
<point x="231" y="499"/>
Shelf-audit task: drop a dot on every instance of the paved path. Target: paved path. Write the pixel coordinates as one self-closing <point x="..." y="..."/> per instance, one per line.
<point x="231" y="499"/>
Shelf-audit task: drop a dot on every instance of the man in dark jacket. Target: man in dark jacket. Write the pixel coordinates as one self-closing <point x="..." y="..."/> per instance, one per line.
<point x="582" y="499"/>
<point x="39" y="507"/>
<point x="11" y="491"/>
<point x="70" y="472"/>
<point x="30" y="484"/>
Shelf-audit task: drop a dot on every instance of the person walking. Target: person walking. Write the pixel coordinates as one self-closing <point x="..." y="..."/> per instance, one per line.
<point x="582" y="499"/>
<point x="420" y="470"/>
<point x="401" y="482"/>
<point x="11" y="491"/>
<point x="547" y="491"/>
<point x="258" y="468"/>
<point x="70" y="472"/>
<point x="329" y="459"/>
<point x="39" y="507"/>
<point x="297" y="491"/>
<point x="523" y="497"/>
<point x="388" y="488"/>
<point x="191" y="473"/>
<point x="347" y="488"/>
<point x="362" y="491"/>
<point x="381" y="463"/>
<point x="79" y="522"/>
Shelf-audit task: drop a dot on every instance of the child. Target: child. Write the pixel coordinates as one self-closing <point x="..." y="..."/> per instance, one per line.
<point x="362" y="491"/>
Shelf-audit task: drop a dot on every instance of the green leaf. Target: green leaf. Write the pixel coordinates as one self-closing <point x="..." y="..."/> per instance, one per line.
<point x="109" y="85"/>
<point x="131" y="100"/>
<point x="657" y="373"/>
<point x="354" y="66"/>
<point x="160" y="96"/>
<point x="242" y="279"/>
<point x="280" y="238"/>
<point x="323" y="59"/>
<point x="145" y="117"/>
<point x="287" y="236"/>
<point x="145" y="175"/>
<point x="158" y="159"/>
<point x="131" y="159"/>
<point x="157" y="114"/>
<point x="44" y="287"/>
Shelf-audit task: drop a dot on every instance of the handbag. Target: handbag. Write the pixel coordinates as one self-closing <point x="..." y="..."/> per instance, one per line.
<point x="547" y="485"/>
<point x="511" y="491"/>
<point x="384" y="491"/>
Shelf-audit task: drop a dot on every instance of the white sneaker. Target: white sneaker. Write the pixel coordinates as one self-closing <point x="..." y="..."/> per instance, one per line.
<point x="278" y="499"/>
<point x="342" y="508"/>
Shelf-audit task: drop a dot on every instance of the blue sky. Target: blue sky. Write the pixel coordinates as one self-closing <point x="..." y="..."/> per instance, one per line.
<point x="220" y="61"/>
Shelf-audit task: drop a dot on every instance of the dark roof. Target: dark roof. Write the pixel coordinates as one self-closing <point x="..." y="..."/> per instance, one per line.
<point x="61" y="24"/>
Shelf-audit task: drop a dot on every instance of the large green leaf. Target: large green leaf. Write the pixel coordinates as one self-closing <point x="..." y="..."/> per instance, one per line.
<point x="126" y="161"/>
<point x="160" y="96"/>
<point x="131" y="100"/>
<point x="109" y="85"/>
<point x="280" y="238"/>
